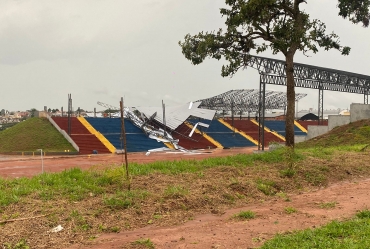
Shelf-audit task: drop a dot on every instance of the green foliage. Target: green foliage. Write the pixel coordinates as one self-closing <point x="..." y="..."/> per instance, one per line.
<point x="354" y="233"/>
<point x="281" y="25"/>
<point x="328" y="205"/>
<point x="33" y="134"/>
<point x="245" y="215"/>
<point x="351" y="137"/>
<point x="144" y="242"/>
<point x="266" y="186"/>
<point x="175" y="191"/>
<point x="125" y="199"/>
<point x="364" y="214"/>
<point x="355" y="11"/>
<point x="79" y="221"/>
<point x="290" y="210"/>
<point x="22" y="244"/>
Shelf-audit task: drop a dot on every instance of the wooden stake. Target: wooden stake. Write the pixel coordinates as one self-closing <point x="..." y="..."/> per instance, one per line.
<point x="124" y="141"/>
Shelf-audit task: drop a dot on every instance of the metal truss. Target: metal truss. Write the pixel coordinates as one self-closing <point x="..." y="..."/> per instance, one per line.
<point x="273" y="71"/>
<point x="281" y="80"/>
<point x="307" y="72"/>
<point x="246" y="100"/>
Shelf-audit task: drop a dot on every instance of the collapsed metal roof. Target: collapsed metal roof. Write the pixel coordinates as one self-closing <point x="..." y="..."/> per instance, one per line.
<point x="176" y="115"/>
<point x="246" y="100"/>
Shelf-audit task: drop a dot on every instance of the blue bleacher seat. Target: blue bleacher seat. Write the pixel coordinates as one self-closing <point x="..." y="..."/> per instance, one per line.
<point x="279" y="127"/>
<point x="136" y="139"/>
<point x="227" y="137"/>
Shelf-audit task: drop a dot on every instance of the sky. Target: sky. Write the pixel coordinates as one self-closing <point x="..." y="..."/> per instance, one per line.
<point x="102" y="50"/>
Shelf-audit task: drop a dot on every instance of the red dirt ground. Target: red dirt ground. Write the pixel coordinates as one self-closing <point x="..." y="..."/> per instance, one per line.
<point x="212" y="231"/>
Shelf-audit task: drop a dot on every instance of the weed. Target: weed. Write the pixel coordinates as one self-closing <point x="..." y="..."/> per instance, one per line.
<point x="115" y="229"/>
<point x="245" y="215"/>
<point x="353" y="233"/>
<point x="117" y="203"/>
<point x="283" y="196"/>
<point x="239" y="196"/>
<point x="79" y="221"/>
<point x="290" y="210"/>
<point x="175" y="191"/>
<point x="316" y="178"/>
<point x="144" y="242"/>
<point x="125" y="199"/>
<point x="364" y="214"/>
<point x="229" y="197"/>
<point x="289" y="172"/>
<point x="22" y="244"/>
<point x="157" y="216"/>
<point x="266" y="186"/>
<point x="328" y="205"/>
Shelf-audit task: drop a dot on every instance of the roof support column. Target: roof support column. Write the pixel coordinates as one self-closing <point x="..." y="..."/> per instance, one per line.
<point x="261" y="115"/>
<point x="69" y="113"/>
<point x="321" y="105"/>
<point x="366" y="96"/>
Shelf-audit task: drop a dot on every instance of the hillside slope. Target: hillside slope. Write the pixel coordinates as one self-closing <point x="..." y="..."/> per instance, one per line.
<point x="33" y="134"/>
<point x="352" y="134"/>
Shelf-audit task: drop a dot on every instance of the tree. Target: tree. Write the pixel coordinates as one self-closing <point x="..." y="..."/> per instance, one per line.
<point x="278" y="25"/>
<point x="32" y="112"/>
<point x="357" y="11"/>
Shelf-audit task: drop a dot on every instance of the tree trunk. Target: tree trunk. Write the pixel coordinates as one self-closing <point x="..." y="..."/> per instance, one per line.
<point x="290" y="90"/>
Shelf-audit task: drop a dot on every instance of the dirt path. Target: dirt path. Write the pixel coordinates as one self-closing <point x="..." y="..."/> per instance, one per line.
<point x="210" y="231"/>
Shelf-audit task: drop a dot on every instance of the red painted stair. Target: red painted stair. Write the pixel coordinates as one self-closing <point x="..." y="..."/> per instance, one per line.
<point x="86" y="141"/>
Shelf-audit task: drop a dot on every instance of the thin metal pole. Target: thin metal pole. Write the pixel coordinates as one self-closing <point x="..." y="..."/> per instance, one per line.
<point x="69" y="114"/>
<point x="232" y="116"/>
<point x="259" y="114"/>
<point x="164" y="118"/>
<point x="263" y="116"/>
<point x="124" y="140"/>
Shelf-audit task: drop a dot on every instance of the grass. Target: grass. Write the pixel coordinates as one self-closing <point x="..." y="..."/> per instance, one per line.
<point x="354" y="233"/>
<point x="147" y="243"/>
<point x="22" y="244"/>
<point x="245" y="215"/>
<point x="290" y="210"/>
<point x="356" y="133"/>
<point x="328" y="205"/>
<point x="33" y="134"/>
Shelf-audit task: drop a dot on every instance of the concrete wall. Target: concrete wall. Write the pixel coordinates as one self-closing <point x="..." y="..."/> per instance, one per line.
<point x="41" y="114"/>
<point x="359" y="111"/>
<point x="337" y="120"/>
<point x="316" y="130"/>
<point x="299" y="139"/>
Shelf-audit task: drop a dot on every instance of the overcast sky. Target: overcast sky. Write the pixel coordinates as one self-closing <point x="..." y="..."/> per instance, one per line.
<point x="101" y="50"/>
